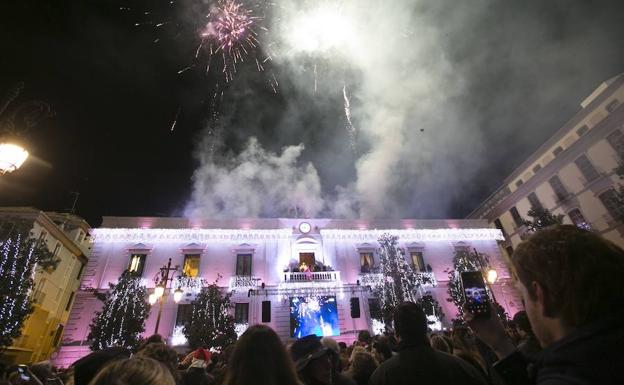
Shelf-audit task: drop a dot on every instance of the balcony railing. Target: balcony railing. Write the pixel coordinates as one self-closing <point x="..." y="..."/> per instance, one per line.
<point x="373" y="280"/>
<point x="316" y="276"/>
<point x="244" y="282"/>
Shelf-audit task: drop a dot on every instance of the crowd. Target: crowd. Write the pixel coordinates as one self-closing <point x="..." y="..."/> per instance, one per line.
<point x="571" y="284"/>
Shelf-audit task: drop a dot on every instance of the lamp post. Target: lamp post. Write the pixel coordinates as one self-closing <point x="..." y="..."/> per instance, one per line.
<point x="160" y="291"/>
<point x="489" y="273"/>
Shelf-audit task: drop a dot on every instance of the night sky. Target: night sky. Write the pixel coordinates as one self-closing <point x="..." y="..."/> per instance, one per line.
<point x="115" y="94"/>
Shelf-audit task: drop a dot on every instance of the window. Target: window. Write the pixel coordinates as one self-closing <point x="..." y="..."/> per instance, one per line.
<point x="57" y="335"/>
<point x="137" y="263"/>
<point x="82" y="266"/>
<point x="557" y="151"/>
<point x="612" y="105"/>
<point x="516" y="216"/>
<point x="417" y="260"/>
<point x="241" y="313"/>
<point x="577" y="218"/>
<point x="587" y="169"/>
<point x="499" y="225"/>
<point x="610" y="202"/>
<point x="42" y="236"/>
<point x="535" y="203"/>
<point x="537" y="168"/>
<point x="367" y="262"/>
<point x="582" y="130"/>
<point x="519" y="182"/>
<point x="560" y="191"/>
<point x="69" y="301"/>
<point x="616" y="140"/>
<point x="57" y="248"/>
<point x="191" y="265"/>
<point x="184" y="314"/>
<point x="243" y="264"/>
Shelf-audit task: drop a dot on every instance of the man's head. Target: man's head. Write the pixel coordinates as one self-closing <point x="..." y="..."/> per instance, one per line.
<point x="568" y="278"/>
<point x="410" y="323"/>
<point x="312" y="359"/>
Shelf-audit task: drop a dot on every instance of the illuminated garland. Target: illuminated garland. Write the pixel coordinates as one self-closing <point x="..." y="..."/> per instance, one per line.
<point x="122" y="318"/>
<point x="463" y="260"/>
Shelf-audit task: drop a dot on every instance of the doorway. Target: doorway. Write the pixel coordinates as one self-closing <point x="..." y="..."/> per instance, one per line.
<point x="308" y="259"/>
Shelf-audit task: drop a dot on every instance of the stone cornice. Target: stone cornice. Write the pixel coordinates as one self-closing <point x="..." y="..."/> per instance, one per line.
<point x="184" y="235"/>
<point x="417" y="234"/>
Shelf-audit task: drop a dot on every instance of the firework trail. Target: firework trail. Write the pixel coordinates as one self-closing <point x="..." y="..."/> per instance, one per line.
<point x="347" y="109"/>
<point x="175" y="120"/>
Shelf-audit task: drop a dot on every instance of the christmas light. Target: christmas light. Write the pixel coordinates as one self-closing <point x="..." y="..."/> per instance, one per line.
<point x="177" y="295"/>
<point x="177" y="337"/>
<point x="152" y="299"/>
<point x="482" y="234"/>
<point x="492" y="275"/>
<point x="240" y="328"/>
<point x="135" y="235"/>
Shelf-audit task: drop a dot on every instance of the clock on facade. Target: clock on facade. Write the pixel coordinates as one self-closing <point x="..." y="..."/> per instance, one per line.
<point x="305" y="227"/>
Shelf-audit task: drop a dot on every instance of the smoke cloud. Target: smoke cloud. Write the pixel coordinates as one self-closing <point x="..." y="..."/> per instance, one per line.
<point x="433" y="90"/>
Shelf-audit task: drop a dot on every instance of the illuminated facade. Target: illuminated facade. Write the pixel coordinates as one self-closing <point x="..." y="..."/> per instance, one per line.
<point x="261" y="260"/>
<point x="572" y="173"/>
<point x="53" y="291"/>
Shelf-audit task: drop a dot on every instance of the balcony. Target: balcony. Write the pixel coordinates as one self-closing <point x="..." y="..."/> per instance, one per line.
<point x="244" y="282"/>
<point x="427" y="279"/>
<point x="316" y="276"/>
<point x="562" y="198"/>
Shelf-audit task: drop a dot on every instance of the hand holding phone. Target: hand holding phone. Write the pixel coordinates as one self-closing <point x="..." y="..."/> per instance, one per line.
<point x="475" y="294"/>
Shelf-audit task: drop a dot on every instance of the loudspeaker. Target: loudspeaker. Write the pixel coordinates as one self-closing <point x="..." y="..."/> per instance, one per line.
<point x="355" y="307"/>
<point x="266" y="311"/>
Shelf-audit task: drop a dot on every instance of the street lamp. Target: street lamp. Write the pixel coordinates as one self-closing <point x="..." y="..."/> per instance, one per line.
<point x="159" y="290"/>
<point x="152" y="298"/>
<point x="492" y="275"/>
<point x="162" y="279"/>
<point x="177" y="295"/>
<point x="12" y="156"/>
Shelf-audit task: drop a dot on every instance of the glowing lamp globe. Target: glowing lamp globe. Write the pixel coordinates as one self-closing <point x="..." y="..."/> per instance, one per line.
<point x="492" y="275"/>
<point x="159" y="290"/>
<point x="177" y="295"/>
<point x="152" y="299"/>
<point x="12" y="156"/>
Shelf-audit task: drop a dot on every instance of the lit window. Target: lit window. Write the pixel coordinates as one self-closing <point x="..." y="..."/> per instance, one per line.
<point x="243" y="264"/>
<point x="367" y="262"/>
<point x="582" y="130"/>
<point x="191" y="265"/>
<point x="537" y="168"/>
<point x="241" y="313"/>
<point x="417" y="260"/>
<point x="137" y="263"/>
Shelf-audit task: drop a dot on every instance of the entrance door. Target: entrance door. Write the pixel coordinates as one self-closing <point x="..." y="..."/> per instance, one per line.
<point x="308" y="259"/>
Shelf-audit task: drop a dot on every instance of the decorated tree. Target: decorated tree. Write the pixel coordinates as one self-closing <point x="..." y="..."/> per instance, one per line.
<point x="432" y="309"/>
<point x="400" y="281"/>
<point x="20" y="256"/>
<point x="463" y="260"/>
<point x="541" y="218"/>
<point x="211" y="325"/>
<point x="122" y="318"/>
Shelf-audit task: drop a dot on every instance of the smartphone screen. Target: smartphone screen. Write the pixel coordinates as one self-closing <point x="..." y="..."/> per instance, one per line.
<point x="23" y="372"/>
<point x="475" y="295"/>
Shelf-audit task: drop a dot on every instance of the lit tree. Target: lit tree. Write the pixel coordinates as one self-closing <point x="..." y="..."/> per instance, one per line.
<point x="400" y="281"/>
<point x="211" y="325"/>
<point x="431" y="307"/>
<point x="122" y="318"/>
<point x="541" y="218"/>
<point x="20" y="256"/>
<point x="463" y="260"/>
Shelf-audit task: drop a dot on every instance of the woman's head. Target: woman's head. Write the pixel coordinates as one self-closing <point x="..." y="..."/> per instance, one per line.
<point x="260" y="358"/>
<point x="440" y="344"/>
<point x="137" y="370"/>
<point x="363" y="364"/>
<point x="463" y="339"/>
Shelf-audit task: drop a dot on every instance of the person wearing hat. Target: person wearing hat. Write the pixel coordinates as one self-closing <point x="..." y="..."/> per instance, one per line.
<point x="312" y="361"/>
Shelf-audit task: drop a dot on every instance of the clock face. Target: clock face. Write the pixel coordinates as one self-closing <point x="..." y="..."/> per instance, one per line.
<point x="305" y="227"/>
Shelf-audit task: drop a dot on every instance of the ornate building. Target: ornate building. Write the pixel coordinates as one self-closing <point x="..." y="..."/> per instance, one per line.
<point x="272" y="266"/>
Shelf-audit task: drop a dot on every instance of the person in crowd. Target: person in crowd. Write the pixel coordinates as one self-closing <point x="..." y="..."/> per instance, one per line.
<point x="88" y="366"/>
<point x="196" y="373"/>
<point x="153" y="339"/>
<point x="416" y="358"/>
<point x="570" y="281"/>
<point x="312" y="360"/>
<point x="259" y="358"/>
<point x="44" y="371"/>
<point x="138" y="370"/>
<point x="464" y="347"/>
<point x="381" y="349"/>
<point x="219" y="363"/>
<point x="163" y="354"/>
<point x="527" y="344"/>
<point x="364" y="338"/>
<point x="362" y="367"/>
<point x="439" y="343"/>
<point x="334" y="351"/>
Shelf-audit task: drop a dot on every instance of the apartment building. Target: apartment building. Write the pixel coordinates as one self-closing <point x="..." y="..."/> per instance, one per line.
<point x="67" y="236"/>
<point x="572" y="173"/>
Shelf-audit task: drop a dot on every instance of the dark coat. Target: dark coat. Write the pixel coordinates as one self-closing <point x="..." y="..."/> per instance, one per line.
<point x="423" y="365"/>
<point x="590" y="355"/>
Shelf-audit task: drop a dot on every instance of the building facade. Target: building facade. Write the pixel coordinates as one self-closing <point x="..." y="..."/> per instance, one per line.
<point x="67" y="237"/>
<point x="265" y="263"/>
<point x="571" y="174"/>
